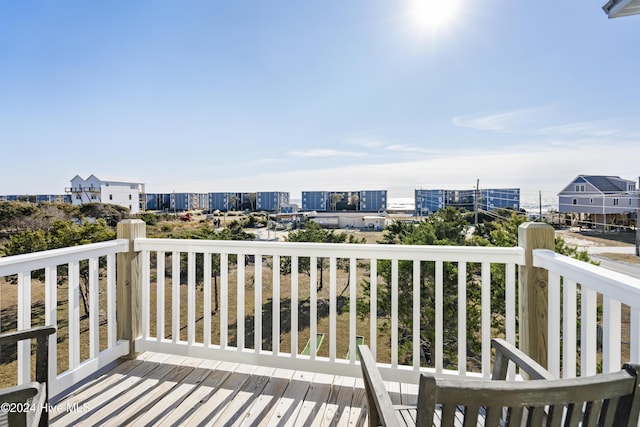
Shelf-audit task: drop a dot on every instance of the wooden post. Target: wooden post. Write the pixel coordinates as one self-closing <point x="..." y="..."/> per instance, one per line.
<point x="533" y="291"/>
<point x="129" y="283"/>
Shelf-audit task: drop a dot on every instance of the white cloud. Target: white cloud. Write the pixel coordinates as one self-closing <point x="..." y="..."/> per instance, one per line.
<point x="590" y="129"/>
<point x="543" y="121"/>
<point x="404" y="148"/>
<point x="363" y="138"/>
<point x="547" y="169"/>
<point x="506" y="121"/>
<point x="315" y="153"/>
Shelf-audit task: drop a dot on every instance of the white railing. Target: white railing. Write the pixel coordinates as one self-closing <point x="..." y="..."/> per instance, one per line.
<point x="164" y="329"/>
<point x="85" y="355"/>
<point x="270" y="305"/>
<point x="590" y="308"/>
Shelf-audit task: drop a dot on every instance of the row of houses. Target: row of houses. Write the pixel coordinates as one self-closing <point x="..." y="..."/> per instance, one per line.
<point x="595" y="200"/>
<point x="272" y="201"/>
<point x="133" y="196"/>
<point x="36" y="198"/>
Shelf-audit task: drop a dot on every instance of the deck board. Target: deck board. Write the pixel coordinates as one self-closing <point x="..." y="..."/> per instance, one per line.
<point x="291" y="401"/>
<point x="266" y="400"/>
<point x="199" y="394"/>
<point x="171" y="400"/>
<point x="159" y="389"/>
<point x="315" y="401"/>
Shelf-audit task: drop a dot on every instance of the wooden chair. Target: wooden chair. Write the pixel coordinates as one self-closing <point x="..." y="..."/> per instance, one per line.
<point x="34" y="394"/>
<point x="603" y="400"/>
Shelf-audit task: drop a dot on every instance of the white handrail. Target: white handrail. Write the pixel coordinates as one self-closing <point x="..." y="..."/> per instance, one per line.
<point x="78" y="367"/>
<point x="339" y="250"/>
<point x="353" y="253"/>
<point x="54" y="257"/>
<point x="576" y="291"/>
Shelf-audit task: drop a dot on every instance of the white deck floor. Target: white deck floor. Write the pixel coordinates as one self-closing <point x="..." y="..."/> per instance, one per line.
<point x="160" y="389"/>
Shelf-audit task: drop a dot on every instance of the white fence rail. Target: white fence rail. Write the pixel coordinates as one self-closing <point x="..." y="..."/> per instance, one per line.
<point x="274" y="296"/>
<point x="62" y="271"/>
<point x="594" y="316"/>
<point x="261" y="321"/>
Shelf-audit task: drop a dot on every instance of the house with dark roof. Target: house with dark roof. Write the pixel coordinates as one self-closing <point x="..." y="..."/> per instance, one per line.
<point x="600" y="201"/>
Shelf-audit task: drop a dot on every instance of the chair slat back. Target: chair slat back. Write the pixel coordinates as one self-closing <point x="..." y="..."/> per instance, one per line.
<point x="605" y="399"/>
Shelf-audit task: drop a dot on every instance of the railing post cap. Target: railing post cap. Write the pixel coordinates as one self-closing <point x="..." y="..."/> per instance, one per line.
<point x="531" y="224"/>
<point x="131" y="221"/>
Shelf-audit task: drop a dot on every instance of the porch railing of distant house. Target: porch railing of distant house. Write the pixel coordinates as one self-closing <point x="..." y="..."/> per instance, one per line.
<point x="164" y="295"/>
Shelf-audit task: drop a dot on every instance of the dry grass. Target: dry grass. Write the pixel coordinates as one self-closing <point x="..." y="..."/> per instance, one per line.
<point x="8" y="311"/>
<point x="9" y="300"/>
<point x="8" y="306"/>
<point x="265" y="310"/>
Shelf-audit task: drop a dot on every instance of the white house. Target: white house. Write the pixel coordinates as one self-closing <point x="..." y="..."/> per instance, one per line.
<point x="114" y="192"/>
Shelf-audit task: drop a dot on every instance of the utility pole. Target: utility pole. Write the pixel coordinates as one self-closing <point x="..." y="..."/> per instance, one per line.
<point x="637" y="222"/>
<point x="475" y="203"/>
<point x="540" y="203"/>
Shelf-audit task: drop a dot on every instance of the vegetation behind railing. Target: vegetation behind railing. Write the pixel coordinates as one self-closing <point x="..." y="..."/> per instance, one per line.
<point x="86" y="338"/>
<point x="268" y="315"/>
<point x="262" y="302"/>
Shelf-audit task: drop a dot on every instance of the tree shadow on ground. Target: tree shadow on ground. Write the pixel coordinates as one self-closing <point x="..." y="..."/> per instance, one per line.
<point x="304" y="318"/>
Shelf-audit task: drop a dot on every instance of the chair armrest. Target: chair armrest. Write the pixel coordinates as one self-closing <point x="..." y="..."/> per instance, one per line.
<point x="19" y="393"/>
<point x="506" y="352"/>
<point x="31" y="400"/>
<point x="25" y="334"/>
<point x="381" y="409"/>
<point x="41" y="334"/>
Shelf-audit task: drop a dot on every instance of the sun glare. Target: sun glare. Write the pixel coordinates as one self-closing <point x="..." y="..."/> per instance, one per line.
<point x="433" y="14"/>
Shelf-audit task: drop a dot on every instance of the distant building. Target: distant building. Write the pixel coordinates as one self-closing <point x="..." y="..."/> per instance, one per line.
<point x="315" y="200"/>
<point x="130" y="195"/>
<point x="599" y="201"/>
<point x="36" y="198"/>
<point x="500" y="198"/>
<point x="225" y="201"/>
<point x="289" y="208"/>
<point x="188" y="201"/>
<point x="430" y="201"/>
<point x="271" y="201"/>
<point x="52" y="198"/>
<point x="158" y="201"/>
<point x="336" y="201"/>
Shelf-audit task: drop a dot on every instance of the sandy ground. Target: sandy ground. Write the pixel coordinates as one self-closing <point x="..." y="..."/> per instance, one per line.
<point x="616" y="246"/>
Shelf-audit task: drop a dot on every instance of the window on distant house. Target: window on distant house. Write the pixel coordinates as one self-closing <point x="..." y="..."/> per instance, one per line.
<point x="615" y="202"/>
<point x="129" y="196"/>
<point x="591" y="201"/>
<point x="574" y="201"/>
<point x="580" y="188"/>
<point x="110" y="196"/>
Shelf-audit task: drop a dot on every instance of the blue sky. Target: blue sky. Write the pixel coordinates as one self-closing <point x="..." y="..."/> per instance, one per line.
<point x="306" y="95"/>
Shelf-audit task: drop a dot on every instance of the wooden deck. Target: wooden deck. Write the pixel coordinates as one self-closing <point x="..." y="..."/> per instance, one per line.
<point x="160" y="389"/>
